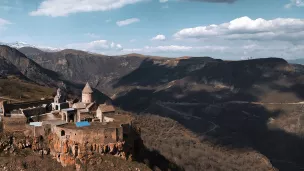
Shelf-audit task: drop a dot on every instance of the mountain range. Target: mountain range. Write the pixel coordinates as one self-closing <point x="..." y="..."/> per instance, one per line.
<point x="18" y="45"/>
<point x="118" y="75"/>
<point x="202" y="94"/>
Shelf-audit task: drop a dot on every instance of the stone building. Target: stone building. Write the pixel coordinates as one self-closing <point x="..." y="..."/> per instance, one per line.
<point x="87" y="94"/>
<point x="87" y="101"/>
<point x="70" y="143"/>
<point x="69" y="115"/>
<point x="105" y="109"/>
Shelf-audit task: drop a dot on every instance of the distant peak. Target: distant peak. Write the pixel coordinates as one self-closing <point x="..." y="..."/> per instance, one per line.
<point x="19" y="45"/>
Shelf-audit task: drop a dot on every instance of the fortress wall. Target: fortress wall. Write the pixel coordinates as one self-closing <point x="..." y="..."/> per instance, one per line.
<point x="81" y="136"/>
<point x="36" y="131"/>
<point x="76" y="143"/>
<point x="100" y="136"/>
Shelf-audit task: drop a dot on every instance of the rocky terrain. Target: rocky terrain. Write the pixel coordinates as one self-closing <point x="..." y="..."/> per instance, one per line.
<point x="19" y="152"/>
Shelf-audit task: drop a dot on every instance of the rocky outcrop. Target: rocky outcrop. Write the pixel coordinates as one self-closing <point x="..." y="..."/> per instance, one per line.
<point x="68" y="152"/>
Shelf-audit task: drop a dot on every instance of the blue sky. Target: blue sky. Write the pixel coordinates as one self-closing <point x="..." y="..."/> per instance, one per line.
<point x="228" y="29"/>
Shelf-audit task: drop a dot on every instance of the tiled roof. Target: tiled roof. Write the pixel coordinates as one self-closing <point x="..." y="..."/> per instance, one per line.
<point x="106" y="108"/>
<point x="79" y="105"/>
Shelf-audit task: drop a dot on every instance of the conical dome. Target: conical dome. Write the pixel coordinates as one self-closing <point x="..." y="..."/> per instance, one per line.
<point x="87" y="89"/>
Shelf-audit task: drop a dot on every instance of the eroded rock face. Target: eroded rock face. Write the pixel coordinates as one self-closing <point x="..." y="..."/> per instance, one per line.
<point x="68" y="152"/>
<point x="9" y="144"/>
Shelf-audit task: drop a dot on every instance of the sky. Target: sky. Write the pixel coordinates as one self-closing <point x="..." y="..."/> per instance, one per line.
<point x="226" y="29"/>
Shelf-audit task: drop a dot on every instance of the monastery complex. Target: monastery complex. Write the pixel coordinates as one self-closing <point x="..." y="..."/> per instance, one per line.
<point x="73" y="129"/>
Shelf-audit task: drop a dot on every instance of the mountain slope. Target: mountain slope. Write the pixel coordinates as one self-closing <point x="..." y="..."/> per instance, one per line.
<point x="80" y="67"/>
<point x="28" y="67"/>
<point x="7" y="68"/>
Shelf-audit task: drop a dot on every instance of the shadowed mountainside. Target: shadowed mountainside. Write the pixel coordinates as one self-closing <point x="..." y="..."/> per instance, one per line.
<point x="118" y="75"/>
<point x="212" y="101"/>
<point x="17" y="69"/>
<point x="198" y="80"/>
<point x="28" y="67"/>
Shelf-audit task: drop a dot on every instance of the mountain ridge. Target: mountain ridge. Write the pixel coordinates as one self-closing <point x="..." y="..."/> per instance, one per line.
<point x="28" y="67"/>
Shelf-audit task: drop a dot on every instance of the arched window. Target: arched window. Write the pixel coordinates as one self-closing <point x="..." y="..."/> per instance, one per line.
<point x="62" y="133"/>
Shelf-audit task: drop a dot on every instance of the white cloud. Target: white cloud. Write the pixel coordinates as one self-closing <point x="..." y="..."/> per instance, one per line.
<point x="244" y="28"/>
<point x="176" y="48"/>
<point x="57" y="8"/>
<point x="96" y="46"/>
<point x="127" y="22"/>
<point x="297" y="3"/>
<point x="132" y="40"/>
<point x="92" y="35"/>
<point x="163" y="1"/>
<point x="3" y="23"/>
<point x="118" y="46"/>
<point x="159" y="37"/>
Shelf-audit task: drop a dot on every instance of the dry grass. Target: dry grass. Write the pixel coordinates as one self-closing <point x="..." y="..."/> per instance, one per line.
<point x="182" y="147"/>
<point x="24" y="91"/>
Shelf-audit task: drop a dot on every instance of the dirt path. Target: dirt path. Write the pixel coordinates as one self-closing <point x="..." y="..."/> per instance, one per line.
<point x="215" y="126"/>
<point x="230" y="102"/>
<point x="186" y="115"/>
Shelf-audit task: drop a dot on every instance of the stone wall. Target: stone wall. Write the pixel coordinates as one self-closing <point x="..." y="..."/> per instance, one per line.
<point x="102" y="135"/>
<point x="36" y="131"/>
<point x="86" y="98"/>
<point x="74" y="146"/>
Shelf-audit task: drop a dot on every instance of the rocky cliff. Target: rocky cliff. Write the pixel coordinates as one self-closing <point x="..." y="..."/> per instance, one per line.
<point x="20" y="152"/>
<point x="68" y="152"/>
